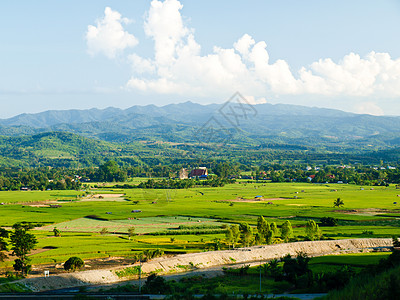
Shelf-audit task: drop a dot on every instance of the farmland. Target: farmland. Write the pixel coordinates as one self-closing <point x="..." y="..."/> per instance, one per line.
<point x="81" y="215"/>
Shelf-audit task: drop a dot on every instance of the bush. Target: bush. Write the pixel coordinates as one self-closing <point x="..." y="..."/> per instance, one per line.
<point x="74" y="263"/>
<point x="156" y="285"/>
<point x="329" y="221"/>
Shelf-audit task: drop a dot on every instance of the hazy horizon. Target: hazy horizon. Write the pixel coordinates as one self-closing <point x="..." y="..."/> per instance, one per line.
<point x="177" y="103"/>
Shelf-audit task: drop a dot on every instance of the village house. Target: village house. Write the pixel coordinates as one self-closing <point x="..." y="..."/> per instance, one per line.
<point x="200" y="172"/>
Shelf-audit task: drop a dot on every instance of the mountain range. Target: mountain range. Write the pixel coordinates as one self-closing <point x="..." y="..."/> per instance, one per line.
<point x="92" y="135"/>
<point x="264" y="123"/>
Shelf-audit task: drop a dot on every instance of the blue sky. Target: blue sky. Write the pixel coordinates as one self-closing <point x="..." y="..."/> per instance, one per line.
<point x="83" y="54"/>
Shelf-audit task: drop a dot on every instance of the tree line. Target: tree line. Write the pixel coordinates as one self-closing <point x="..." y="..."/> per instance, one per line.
<point x="47" y="178"/>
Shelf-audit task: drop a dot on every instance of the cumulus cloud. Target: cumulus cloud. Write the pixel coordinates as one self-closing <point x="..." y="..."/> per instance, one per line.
<point x="178" y="67"/>
<point x="369" y="108"/>
<point x="108" y="36"/>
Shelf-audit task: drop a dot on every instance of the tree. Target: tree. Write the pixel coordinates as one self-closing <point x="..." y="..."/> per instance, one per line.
<point x="131" y="232"/>
<point x="328" y="221"/>
<point x="395" y="241"/>
<point x="156" y="284"/>
<point x="338" y="202"/>
<point x="235" y="234"/>
<point x="295" y="267"/>
<point x="273" y="269"/>
<point x="110" y="172"/>
<point x="103" y="231"/>
<point x="264" y="228"/>
<point x="4" y="234"/>
<point x="56" y="232"/>
<point x="246" y="233"/>
<point x="274" y="229"/>
<point x="258" y="239"/>
<point x="22" y="243"/>
<point x="286" y="230"/>
<point x="229" y="236"/>
<point x="312" y="230"/>
<point x="73" y="263"/>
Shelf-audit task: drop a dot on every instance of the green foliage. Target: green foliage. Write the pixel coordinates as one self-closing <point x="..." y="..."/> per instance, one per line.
<point x="395" y="241"/>
<point x="103" y="231"/>
<point x="312" y="231"/>
<point x="246" y="233"/>
<point x="153" y="253"/>
<point x="262" y="228"/>
<point x="229" y="237"/>
<point x="110" y="172"/>
<point x="156" y="285"/>
<point x="131" y="232"/>
<point x="294" y="268"/>
<point x="367" y="286"/>
<point x="274" y="229"/>
<point x="128" y="272"/>
<point x="74" y="263"/>
<point x="233" y="233"/>
<point x="338" y="202"/>
<point x="328" y="221"/>
<point x="56" y="232"/>
<point x="286" y="230"/>
<point x="4" y="234"/>
<point x="22" y="243"/>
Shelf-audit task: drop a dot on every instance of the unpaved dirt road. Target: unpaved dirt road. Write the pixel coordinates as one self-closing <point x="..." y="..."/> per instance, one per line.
<point x="207" y="263"/>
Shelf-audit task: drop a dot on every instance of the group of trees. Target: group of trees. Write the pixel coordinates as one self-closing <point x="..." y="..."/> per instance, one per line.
<point x="38" y="179"/>
<point x="359" y="174"/>
<point x="269" y="233"/>
<point x="61" y="178"/>
<point x="22" y="242"/>
<point x="182" y="184"/>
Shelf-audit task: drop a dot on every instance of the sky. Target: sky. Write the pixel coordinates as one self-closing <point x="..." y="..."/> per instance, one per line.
<point x="94" y="53"/>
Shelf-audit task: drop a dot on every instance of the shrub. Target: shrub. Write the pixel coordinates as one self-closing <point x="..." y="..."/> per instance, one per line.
<point x="56" y="232"/>
<point x="74" y="263"/>
<point x="104" y="231"/>
<point x="328" y="221"/>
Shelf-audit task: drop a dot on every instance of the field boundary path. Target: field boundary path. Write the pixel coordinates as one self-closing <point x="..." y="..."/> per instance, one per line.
<point x="204" y="260"/>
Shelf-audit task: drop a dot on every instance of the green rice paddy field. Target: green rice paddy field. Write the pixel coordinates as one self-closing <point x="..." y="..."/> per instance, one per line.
<point x="367" y="212"/>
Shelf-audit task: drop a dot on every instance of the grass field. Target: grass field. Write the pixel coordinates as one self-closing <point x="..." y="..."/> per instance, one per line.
<point x="329" y="263"/>
<point x="366" y="210"/>
<point x="142" y="225"/>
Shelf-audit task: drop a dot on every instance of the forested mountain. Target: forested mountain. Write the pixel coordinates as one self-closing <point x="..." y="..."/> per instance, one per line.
<point x="86" y="137"/>
<point x="178" y="122"/>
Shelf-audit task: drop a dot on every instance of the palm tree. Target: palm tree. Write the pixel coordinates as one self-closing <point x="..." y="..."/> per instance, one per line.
<point x="338" y="202"/>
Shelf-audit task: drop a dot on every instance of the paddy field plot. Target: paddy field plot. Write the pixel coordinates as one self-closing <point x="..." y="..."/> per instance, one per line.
<point x="367" y="212"/>
<point x="141" y="225"/>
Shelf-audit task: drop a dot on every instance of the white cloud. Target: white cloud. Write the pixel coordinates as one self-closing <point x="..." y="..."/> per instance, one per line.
<point x="369" y="108"/>
<point x="108" y="36"/>
<point x="178" y="67"/>
<point x="141" y="65"/>
<point x="253" y="100"/>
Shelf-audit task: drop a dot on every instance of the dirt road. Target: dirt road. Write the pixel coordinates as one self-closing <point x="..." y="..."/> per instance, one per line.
<point x="208" y="263"/>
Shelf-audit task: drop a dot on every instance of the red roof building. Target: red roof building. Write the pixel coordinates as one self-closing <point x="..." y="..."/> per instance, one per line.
<point x="202" y="171"/>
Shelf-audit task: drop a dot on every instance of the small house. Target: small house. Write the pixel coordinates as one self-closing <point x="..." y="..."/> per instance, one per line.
<point x="199" y="172"/>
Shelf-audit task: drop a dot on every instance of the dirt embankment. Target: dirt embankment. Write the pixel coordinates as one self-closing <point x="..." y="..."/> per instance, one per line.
<point x="195" y="261"/>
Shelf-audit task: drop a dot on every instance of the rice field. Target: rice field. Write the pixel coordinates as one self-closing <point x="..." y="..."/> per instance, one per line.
<point x="367" y="212"/>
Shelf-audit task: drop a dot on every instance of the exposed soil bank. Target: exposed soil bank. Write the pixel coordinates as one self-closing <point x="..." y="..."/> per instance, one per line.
<point x="196" y="261"/>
